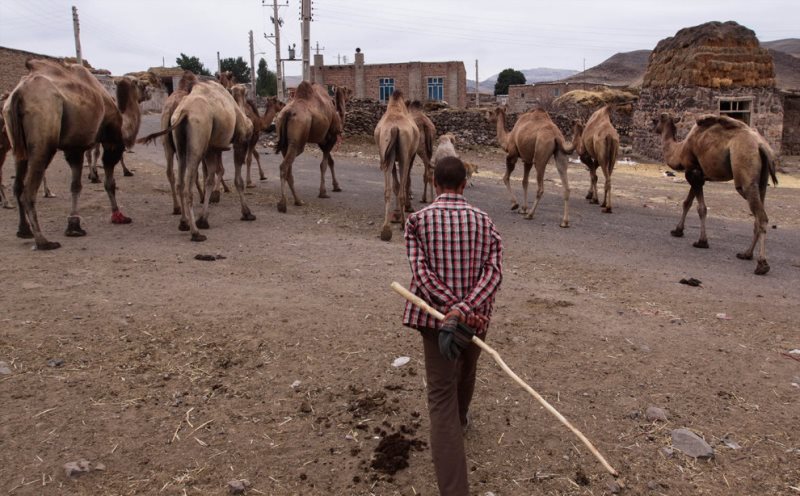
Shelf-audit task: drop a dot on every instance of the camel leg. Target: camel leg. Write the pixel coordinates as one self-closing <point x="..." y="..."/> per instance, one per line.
<point x="397" y="215"/>
<point x="75" y="161"/>
<point x="190" y="169"/>
<point x="92" y="157"/>
<point x="607" y="169"/>
<point x="696" y="180"/>
<point x="169" y="154"/>
<point x="526" y="173"/>
<point x="427" y="179"/>
<point x="211" y="165"/>
<point x="217" y="179"/>
<point x="26" y="184"/>
<point x="539" y="188"/>
<point x="288" y="180"/>
<point x="239" y="153"/>
<point x="561" y="166"/>
<point x="323" y="166"/>
<point x="591" y="195"/>
<point x="701" y="212"/>
<point x="125" y="171"/>
<point x="336" y="188"/>
<point x="3" y="196"/>
<point x="687" y="204"/>
<point x="110" y="184"/>
<point x="386" y="230"/>
<point x="249" y="163"/>
<point x="511" y="162"/>
<point x="754" y="201"/>
<point x="257" y="156"/>
<point x="183" y="224"/>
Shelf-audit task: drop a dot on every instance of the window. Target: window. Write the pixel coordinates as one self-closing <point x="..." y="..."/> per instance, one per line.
<point x="436" y="88"/>
<point x="736" y="108"/>
<point x="386" y="87"/>
<point x="556" y="91"/>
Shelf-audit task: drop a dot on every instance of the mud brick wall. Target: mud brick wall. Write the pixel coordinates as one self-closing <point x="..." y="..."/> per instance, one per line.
<point x="12" y="66"/>
<point x="791" y="125"/>
<point x="690" y="102"/>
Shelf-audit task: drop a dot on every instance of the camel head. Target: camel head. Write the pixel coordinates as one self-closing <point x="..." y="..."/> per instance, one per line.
<point x="226" y="79"/>
<point x="496" y="113"/>
<point x="665" y="123"/>
<point x="447" y="138"/>
<point x="187" y="81"/>
<point x="239" y="92"/>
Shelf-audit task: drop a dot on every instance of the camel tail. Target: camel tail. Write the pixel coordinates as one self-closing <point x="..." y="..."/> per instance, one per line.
<point x="561" y="145"/>
<point x="282" y="145"/>
<point x="390" y="151"/>
<point x="151" y="137"/>
<point x="767" y="164"/>
<point x="16" y="131"/>
<point x="612" y="152"/>
<point x="180" y="142"/>
<point x="428" y="144"/>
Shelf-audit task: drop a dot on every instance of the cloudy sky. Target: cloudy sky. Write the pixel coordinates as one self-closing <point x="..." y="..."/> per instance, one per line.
<point x="125" y="36"/>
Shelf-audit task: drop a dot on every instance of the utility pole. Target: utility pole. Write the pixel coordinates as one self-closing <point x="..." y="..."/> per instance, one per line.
<point x="277" y="26"/>
<point x="219" y="66"/>
<point x="305" y="13"/>
<point x="252" y="66"/>
<point x="76" y="28"/>
<point x="477" y="86"/>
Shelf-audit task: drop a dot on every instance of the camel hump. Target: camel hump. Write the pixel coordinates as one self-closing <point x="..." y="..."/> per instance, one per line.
<point x="124" y="91"/>
<point x="304" y="90"/>
<point x="705" y="121"/>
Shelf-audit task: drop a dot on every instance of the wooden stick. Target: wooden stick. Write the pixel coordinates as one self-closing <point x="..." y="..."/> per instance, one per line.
<point x="416" y="300"/>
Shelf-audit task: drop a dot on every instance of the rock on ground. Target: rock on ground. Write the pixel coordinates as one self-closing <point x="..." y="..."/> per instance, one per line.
<point x="691" y="444"/>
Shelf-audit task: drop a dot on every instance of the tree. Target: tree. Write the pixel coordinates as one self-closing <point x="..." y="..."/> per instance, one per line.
<point x="266" y="81"/>
<point x="193" y="64"/>
<point x="505" y="78"/>
<point x="239" y="68"/>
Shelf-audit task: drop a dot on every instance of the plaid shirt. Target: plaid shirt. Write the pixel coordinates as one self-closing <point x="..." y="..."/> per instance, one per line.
<point x="456" y="255"/>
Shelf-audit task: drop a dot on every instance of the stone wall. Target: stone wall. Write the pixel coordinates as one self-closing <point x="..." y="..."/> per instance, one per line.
<point x="791" y="125"/>
<point x="690" y="102"/>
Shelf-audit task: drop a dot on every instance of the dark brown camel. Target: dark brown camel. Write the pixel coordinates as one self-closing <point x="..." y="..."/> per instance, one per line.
<point x="597" y="147"/>
<point x="60" y="106"/>
<point x="719" y="148"/>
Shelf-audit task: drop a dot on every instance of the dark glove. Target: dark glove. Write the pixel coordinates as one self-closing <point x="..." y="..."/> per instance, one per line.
<point x="454" y="337"/>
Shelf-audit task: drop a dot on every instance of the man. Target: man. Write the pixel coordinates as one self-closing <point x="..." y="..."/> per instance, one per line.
<point x="455" y="255"/>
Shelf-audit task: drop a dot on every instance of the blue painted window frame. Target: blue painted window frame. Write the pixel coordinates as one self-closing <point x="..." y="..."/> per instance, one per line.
<point x="385" y="88"/>
<point x="436" y="88"/>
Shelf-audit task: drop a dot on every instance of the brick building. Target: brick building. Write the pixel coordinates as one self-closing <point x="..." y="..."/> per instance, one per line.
<point x="523" y="97"/>
<point x="417" y="80"/>
<point x="12" y="66"/>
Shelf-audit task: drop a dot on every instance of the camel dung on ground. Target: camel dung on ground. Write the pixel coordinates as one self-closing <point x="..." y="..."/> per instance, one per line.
<point x="534" y="139"/>
<point x="131" y="92"/>
<point x="397" y="137"/>
<point x="60" y="106"/>
<point x="204" y="124"/>
<point x="427" y="135"/>
<point x="597" y="145"/>
<point x="719" y="148"/>
<point x="312" y="116"/>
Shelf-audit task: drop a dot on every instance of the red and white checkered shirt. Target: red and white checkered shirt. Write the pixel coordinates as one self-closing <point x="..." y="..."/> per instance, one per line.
<point x="456" y="258"/>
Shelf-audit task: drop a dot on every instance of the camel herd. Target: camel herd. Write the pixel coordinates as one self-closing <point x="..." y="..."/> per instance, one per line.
<point x="60" y="106"/>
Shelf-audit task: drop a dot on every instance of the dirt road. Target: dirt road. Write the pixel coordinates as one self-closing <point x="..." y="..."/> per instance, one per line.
<point x="274" y="364"/>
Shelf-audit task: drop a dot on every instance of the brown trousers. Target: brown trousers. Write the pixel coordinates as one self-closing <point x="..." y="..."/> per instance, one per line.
<point x="450" y="388"/>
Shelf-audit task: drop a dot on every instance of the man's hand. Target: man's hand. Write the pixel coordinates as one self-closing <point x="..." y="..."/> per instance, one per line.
<point x="475" y="321"/>
<point x="454" y="336"/>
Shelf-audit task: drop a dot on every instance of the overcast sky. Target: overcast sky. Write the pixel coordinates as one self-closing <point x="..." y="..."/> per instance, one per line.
<point x="125" y="36"/>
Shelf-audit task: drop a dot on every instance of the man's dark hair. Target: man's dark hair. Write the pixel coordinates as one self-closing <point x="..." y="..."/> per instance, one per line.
<point x="450" y="172"/>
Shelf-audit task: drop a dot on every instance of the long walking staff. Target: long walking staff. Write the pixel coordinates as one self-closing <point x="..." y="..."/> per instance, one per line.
<point x="416" y="300"/>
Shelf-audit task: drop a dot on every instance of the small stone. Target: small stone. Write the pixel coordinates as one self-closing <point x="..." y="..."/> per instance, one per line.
<point x="634" y="414"/>
<point x="75" y="469"/>
<point x="55" y="362"/>
<point x="654" y="486"/>
<point x="238" y="486"/>
<point x="4" y="369"/>
<point x="691" y="444"/>
<point x="667" y="452"/>
<point x="614" y="487"/>
<point x="655" y="413"/>
<point x="305" y="407"/>
<point x="296" y="384"/>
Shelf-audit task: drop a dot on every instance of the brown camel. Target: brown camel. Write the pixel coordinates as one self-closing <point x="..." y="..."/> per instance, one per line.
<point x="427" y="135"/>
<point x="260" y="123"/>
<point x="204" y="124"/>
<point x="534" y="139"/>
<point x="131" y="92"/>
<point x="719" y="148"/>
<point x="397" y="137"/>
<point x="597" y="147"/>
<point x="310" y="117"/>
<point x="226" y="79"/>
<point x="60" y="106"/>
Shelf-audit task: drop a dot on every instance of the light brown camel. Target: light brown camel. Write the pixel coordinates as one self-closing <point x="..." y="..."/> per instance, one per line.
<point x="131" y="91"/>
<point x="60" y="106"/>
<point x="397" y="137"/>
<point x="204" y="124"/>
<point x="261" y="123"/>
<point x="719" y="148"/>
<point x="310" y="117"/>
<point x="534" y="139"/>
<point x="427" y="135"/>
<point x="598" y="146"/>
<point x="5" y="146"/>
<point x="226" y="79"/>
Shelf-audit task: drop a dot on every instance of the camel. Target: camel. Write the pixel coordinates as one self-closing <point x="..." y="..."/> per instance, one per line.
<point x="445" y="147"/>
<point x="226" y="79"/>
<point x="719" y="148"/>
<point x="310" y="117"/>
<point x="260" y="123"/>
<point x="534" y="139"/>
<point x="131" y="92"/>
<point x="397" y="137"/>
<point x="597" y="147"/>
<point x="60" y="106"/>
<point x="204" y="124"/>
<point x="427" y="134"/>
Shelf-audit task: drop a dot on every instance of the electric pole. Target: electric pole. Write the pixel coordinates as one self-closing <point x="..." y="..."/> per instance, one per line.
<point x="76" y="28"/>
<point x="477" y="86"/>
<point x="277" y="26"/>
<point x="305" y="13"/>
<point x="219" y="66"/>
<point x="252" y="66"/>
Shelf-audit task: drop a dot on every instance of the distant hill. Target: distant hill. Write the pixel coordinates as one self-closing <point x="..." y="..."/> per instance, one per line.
<point x="621" y="69"/>
<point x="789" y="45"/>
<point x="787" y="70"/>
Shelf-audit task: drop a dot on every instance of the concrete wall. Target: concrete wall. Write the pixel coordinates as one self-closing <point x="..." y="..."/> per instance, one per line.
<point x="689" y="103"/>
